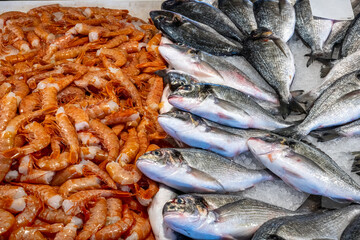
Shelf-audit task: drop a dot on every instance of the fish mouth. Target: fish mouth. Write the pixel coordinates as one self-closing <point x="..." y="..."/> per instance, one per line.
<point x="143" y="162"/>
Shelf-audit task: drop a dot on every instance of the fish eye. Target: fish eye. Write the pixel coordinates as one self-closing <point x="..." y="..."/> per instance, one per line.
<point x="157" y="153"/>
<point x="186" y="87"/>
<point x="180" y="201"/>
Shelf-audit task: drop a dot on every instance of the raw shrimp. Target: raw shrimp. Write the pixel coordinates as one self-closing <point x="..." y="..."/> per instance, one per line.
<point x="68" y="133"/>
<point x="114" y="210"/>
<point x="16" y="31"/>
<point x="22" y="45"/>
<point x="13" y="192"/>
<point x="123" y="174"/>
<point x="93" y="153"/>
<point x="115" y="230"/>
<point x="54" y="216"/>
<point x="77" y="201"/>
<point x="137" y="35"/>
<point x="44" y="227"/>
<point x="102" y="109"/>
<point x="32" y="209"/>
<point x="107" y="137"/>
<point x="7" y="221"/>
<point x="10" y="15"/>
<point x="119" y="56"/>
<point x="79" y="116"/>
<point x="96" y="79"/>
<point x="70" y="52"/>
<point x="12" y="205"/>
<point x="8" y="108"/>
<point x="140" y="230"/>
<point x="118" y="129"/>
<point x="116" y="41"/>
<point x="44" y="34"/>
<point x="143" y="136"/>
<point x="131" y="147"/>
<point x="25" y="233"/>
<point x="21" y="89"/>
<point x="92" y="169"/>
<point x="96" y="220"/>
<point x="70" y="94"/>
<point x="88" y="139"/>
<point x="5" y="164"/>
<point x="46" y="193"/>
<point x="56" y="44"/>
<point x="94" y="33"/>
<point x="124" y="116"/>
<point x="130" y="46"/>
<point x="49" y="98"/>
<point x="54" y="164"/>
<point x="45" y="8"/>
<point x="32" y="82"/>
<point x="39" y="139"/>
<point x="33" y="39"/>
<point x="92" y="11"/>
<point x="154" y="97"/>
<point x="70" y="230"/>
<point x="79" y="184"/>
<point x="37" y="177"/>
<point x="73" y="171"/>
<point x="145" y="196"/>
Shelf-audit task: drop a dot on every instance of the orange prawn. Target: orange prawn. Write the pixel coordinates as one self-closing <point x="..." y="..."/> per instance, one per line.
<point x="79" y="116"/>
<point x="32" y="209"/>
<point x="70" y="230"/>
<point x="114" y="210"/>
<point x="123" y="174"/>
<point x="8" y="107"/>
<point x="121" y="117"/>
<point x="70" y="94"/>
<point x="73" y="171"/>
<point x="12" y="205"/>
<point x="7" y="221"/>
<point x="140" y="230"/>
<point x="92" y="169"/>
<point x="102" y="109"/>
<point x="24" y="233"/>
<point x="33" y="39"/>
<point x="54" y="216"/>
<point x="119" y="56"/>
<point x="79" y="184"/>
<point x="131" y="147"/>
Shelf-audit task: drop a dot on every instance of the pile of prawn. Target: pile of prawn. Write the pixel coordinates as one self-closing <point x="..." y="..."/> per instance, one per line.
<point x="79" y="101"/>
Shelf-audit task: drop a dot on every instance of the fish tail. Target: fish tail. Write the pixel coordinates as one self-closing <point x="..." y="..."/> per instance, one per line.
<point x="292" y="105"/>
<point x="314" y="55"/>
<point x="307" y="99"/>
<point x="291" y="131"/>
<point x="324" y="136"/>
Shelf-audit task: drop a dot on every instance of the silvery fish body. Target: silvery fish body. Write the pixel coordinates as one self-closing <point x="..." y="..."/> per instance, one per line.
<point x="313" y="31"/>
<point x="337" y="105"/>
<point x="304" y="167"/>
<point x="213" y="69"/>
<point x="352" y="231"/>
<point x="349" y="130"/>
<point x="277" y="16"/>
<point x="326" y="225"/>
<point x="241" y="13"/>
<point x="236" y="220"/>
<point x="351" y="41"/>
<point x="201" y="133"/>
<point x="224" y="105"/>
<point x="194" y="34"/>
<point x="195" y="170"/>
<point x="206" y="14"/>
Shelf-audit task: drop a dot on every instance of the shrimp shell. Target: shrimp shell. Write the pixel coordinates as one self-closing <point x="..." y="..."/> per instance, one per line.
<point x="46" y="193"/>
<point x="77" y="201"/>
<point x="12" y="205"/>
<point x="93" y="153"/>
<point x="88" y="139"/>
<point x="71" y="93"/>
<point x="22" y="46"/>
<point x="119" y="56"/>
<point x="79" y="116"/>
<point x="124" y="174"/>
<point x="145" y="196"/>
<point x="154" y="97"/>
<point x="45" y="8"/>
<point x="114" y="210"/>
<point x="102" y="109"/>
<point x="73" y="171"/>
<point x="114" y="42"/>
<point x="131" y="147"/>
<point x="32" y="209"/>
<point x="37" y="177"/>
<point x="79" y="184"/>
<point x="48" y="228"/>
<point x="92" y="11"/>
<point x="124" y="116"/>
<point x="130" y="46"/>
<point x="33" y="39"/>
<point x="12" y="191"/>
<point x="140" y="230"/>
<point x="95" y="79"/>
<point x="96" y="220"/>
<point x="4" y="88"/>
<point x="25" y="233"/>
<point x="107" y="137"/>
<point x="44" y="34"/>
<point x="118" y="129"/>
<point x="54" y="216"/>
<point x="8" y="107"/>
<point x="70" y="230"/>
<point x="69" y="52"/>
<point x="92" y="169"/>
<point x="7" y="221"/>
<point x="54" y="164"/>
<point x="115" y="230"/>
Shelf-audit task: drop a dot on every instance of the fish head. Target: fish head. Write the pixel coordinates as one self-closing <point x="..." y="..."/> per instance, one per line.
<point x="185" y="212"/>
<point x="177" y="121"/>
<point x="161" y="162"/>
<point x="262" y="32"/>
<point x="266" y="144"/>
<point x="163" y="19"/>
<point x="177" y="55"/>
<point x="188" y="96"/>
<point x="178" y="78"/>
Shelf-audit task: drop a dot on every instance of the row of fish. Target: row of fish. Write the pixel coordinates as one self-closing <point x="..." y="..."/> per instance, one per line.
<point x="216" y="108"/>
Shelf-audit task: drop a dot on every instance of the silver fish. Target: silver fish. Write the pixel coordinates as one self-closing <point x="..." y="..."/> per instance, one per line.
<point x="272" y="58"/>
<point x="201" y="133"/>
<point x="195" y="170"/>
<point x="352" y="231"/>
<point x="206" y="14"/>
<point x="349" y="130"/>
<point x="304" y="167"/>
<point x="238" y="220"/>
<point x="313" y="31"/>
<point x="241" y="13"/>
<point x="277" y="16"/>
<point x="351" y="41"/>
<point x="194" y="34"/>
<point x="213" y="69"/>
<point x="327" y="225"/>
<point x="341" y="68"/>
<point x="338" y="105"/>
<point x="224" y="105"/>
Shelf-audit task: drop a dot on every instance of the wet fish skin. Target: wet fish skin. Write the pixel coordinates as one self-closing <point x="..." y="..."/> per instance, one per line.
<point x="313" y="31"/>
<point x="272" y="58"/>
<point x="194" y="34"/>
<point x="241" y="13"/>
<point x="224" y="105"/>
<point x="213" y="69"/>
<point x="206" y="14"/>
<point x="195" y="170"/>
<point x="201" y="133"/>
<point x="236" y="220"/>
<point x="277" y="16"/>
<point x="304" y="167"/>
<point x="336" y="106"/>
<point x="325" y="225"/>
<point x="352" y="231"/>
<point x="348" y="130"/>
<point x="351" y="42"/>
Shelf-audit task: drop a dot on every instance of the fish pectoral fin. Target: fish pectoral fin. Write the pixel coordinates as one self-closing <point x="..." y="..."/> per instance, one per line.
<point x="205" y="177"/>
<point x="229" y="106"/>
<point x="279" y="43"/>
<point x="350" y="95"/>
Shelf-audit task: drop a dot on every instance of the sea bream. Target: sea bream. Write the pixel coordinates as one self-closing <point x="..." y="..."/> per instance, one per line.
<point x="272" y="58"/>
<point x="213" y="69"/>
<point x="224" y="105"/>
<point x="352" y="231"/>
<point x="237" y="220"/>
<point x="201" y="133"/>
<point x="351" y="41"/>
<point x="313" y="31"/>
<point x="183" y="30"/>
<point x="324" y="225"/>
<point x="200" y="171"/>
<point x="206" y="14"/>
<point x="276" y="15"/>
<point x="304" y="167"/>
<point x="241" y="13"/>
<point x="349" y="130"/>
